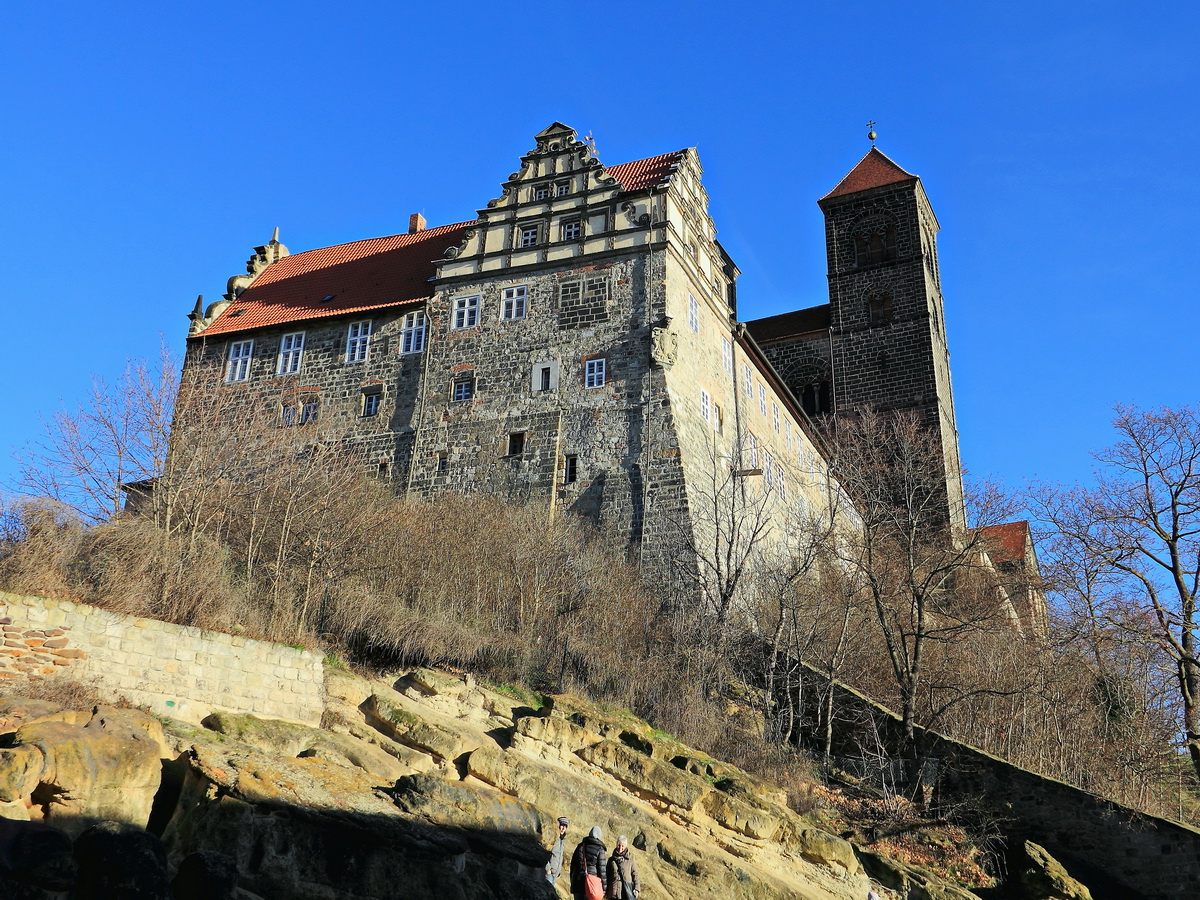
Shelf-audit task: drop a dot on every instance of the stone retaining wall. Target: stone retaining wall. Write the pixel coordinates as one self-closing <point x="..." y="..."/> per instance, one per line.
<point x="174" y="670"/>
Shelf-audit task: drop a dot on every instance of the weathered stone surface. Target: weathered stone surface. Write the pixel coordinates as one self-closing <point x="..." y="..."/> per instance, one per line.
<point x="1042" y="877"/>
<point x="401" y="725"/>
<point x="646" y="775"/>
<point x="37" y="855"/>
<point x="345" y="749"/>
<point x="737" y="815"/>
<point x="268" y="735"/>
<point x="205" y="875"/>
<point x="20" y="771"/>
<point x="559" y="733"/>
<point x="823" y="848"/>
<point x="120" y="862"/>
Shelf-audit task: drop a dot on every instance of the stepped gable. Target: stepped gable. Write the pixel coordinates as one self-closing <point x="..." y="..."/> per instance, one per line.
<point x="361" y="275"/>
<point x="643" y="174"/>
<point x="789" y="325"/>
<point x="872" y="171"/>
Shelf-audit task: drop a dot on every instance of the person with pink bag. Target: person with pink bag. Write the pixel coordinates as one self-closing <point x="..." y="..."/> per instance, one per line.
<point x="589" y="869"/>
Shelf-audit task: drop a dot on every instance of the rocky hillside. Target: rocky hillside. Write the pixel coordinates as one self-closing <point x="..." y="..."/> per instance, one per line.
<point x="425" y="786"/>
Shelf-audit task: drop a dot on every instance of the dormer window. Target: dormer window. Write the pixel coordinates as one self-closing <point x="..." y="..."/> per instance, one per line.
<point x="541" y="192"/>
<point x="529" y="236"/>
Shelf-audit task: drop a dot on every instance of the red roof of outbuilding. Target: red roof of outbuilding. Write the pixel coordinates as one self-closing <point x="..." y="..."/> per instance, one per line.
<point x="361" y="275"/>
<point x="872" y="171"/>
<point x="646" y="173"/>
<point x="1006" y="543"/>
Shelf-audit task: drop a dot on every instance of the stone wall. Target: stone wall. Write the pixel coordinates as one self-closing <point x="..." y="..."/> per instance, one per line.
<point x="1157" y="858"/>
<point x="174" y="670"/>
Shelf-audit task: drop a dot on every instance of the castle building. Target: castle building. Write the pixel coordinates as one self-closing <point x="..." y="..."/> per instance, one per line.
<point x="577" y="343"/>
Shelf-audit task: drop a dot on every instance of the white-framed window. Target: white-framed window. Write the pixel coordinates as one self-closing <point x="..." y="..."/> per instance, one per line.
<point x="775" y="415"/>
<point x="727" y="354"/>
<point x="693" y="314"/>
<point x="237" y="364"/>
<point x="787" y="433"/>
<point x="753" y="448"/>
<point x="463" y="387"/>
<point x="572" y="230"/>
<point x="541" y="192"/>
<point x="308" y="412"/>
<point x="781" y="483"/>
<point x="595" y="373"/>
<point x="412" y="333"/>
<point x="762" y="399"/>
<point x="358" y="341"/>
<point x="299" y="412"/>
<point x="562" y="189"/>
<point x="291" y="349"/>
<point x="512" y="303"/>
<point x="748" y="376"/>
<point x="769" y="467"/>
<point x="466" y="311"/>
<point x="529" y="235"/>
<point x="705" y="405"/>
<point x="370" y="404"/>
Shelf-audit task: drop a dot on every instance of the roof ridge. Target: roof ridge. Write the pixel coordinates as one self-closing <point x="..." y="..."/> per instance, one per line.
<point x="875" y="169"/>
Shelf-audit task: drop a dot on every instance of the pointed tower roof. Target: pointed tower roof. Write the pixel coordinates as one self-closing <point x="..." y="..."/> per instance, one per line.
<point x="872" y="171"/>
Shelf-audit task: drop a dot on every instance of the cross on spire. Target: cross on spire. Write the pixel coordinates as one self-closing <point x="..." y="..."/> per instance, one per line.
<point x="871" y="135"/>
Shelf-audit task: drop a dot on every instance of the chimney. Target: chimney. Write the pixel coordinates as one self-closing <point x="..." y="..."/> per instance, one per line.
<point x="416" y="222"/>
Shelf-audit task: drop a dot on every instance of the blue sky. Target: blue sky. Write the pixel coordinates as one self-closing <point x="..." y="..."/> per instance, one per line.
<point x="148" y="147"/>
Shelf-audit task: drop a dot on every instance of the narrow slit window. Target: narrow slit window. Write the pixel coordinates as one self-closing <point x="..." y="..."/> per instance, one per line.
<point x="570" y="469"/>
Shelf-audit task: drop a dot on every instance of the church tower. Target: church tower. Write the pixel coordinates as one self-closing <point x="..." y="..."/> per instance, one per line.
<point x="886" y="323"/>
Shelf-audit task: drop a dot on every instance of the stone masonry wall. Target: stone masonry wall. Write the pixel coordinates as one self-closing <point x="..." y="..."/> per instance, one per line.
<point x="1157" y="858"/>
<point x="175" y="671"/>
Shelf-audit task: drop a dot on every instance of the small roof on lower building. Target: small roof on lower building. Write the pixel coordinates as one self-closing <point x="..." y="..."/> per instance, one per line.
<point x="790" y="324"/>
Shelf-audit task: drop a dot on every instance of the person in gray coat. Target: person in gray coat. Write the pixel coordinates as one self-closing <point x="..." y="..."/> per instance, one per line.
<point x="555" y="865"/>
<point x="623" y="880"/>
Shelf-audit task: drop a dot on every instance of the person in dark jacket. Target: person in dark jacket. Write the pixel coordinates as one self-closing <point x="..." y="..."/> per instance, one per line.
<point x="623" y="880"/>
<point x="588" y="859"/>
<point x="554" y="866"/>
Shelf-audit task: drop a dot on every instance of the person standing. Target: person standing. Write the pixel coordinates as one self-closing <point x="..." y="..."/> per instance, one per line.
<point x="555" y="865"/>
<point x="623" y="880"/>
<point x="588" y="864"/>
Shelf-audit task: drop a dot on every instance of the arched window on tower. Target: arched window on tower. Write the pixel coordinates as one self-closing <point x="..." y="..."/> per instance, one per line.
<point x="879" y="304"/>
<point x="874" y="242"/>
<point x="815" y="397"/>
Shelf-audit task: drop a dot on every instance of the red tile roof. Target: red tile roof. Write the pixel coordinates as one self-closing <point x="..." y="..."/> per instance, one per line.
<point x="872" y="171"/>
<point x="1006" y="543"/>
<point x="789" y="325"/>
<point x="361" y="275"/>
<point x="646" y="173"/>
<point x="375" y="273"/>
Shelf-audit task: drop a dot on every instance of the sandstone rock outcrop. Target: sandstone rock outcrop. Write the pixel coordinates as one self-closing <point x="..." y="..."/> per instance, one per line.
<point x="429" y="785"/>
<point x="1043" y="877"/>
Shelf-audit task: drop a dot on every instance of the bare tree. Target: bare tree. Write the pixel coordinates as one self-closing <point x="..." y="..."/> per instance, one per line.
<point x="1130" y="545"/>
<point x="928" y="583"/>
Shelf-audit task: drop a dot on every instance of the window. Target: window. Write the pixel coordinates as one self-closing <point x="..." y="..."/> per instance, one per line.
<point x="562" y="189"/>
<point x="880" y="306"/>
<point x="693" y="314"/>
<point x="370" y="404"/>
<point x="237" y="368"/>
<point x="705" y="405"/>
<point x="749" y="379"/>
<point x="775" y="415"/>
<point x="512" y="304"/>
<point x="516" y="443"/>
<point x="762" y="399"/>
<point x="727" y="355"/>
<point x="298" y="412"/>
<point x="463" y="387"/>
<point x="466" y="311"/>
<point x="769" y="467"/>
<point x="541" y="192"/>
<point x="291" y="348"/>
<point x="875" y="242"/>
<point x="412" y="333"/>
<point x="441" y="462"/>
<point x="570" y="469"/>
<point x="781" y="483"/>
<point x="814" y="397"/>
<point x="718" y="418"/>
<point x="544" y="377"/>
<point x="753" y="452"/>
<point x="287" y="416"/>
<point x="787" y="433"/>
<point x="358" y="339"/>
<point x="572" y="230"/>
<point x="529" y="236"/>
<point x="308" y="412"/>
<point x="594" y="373"/>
